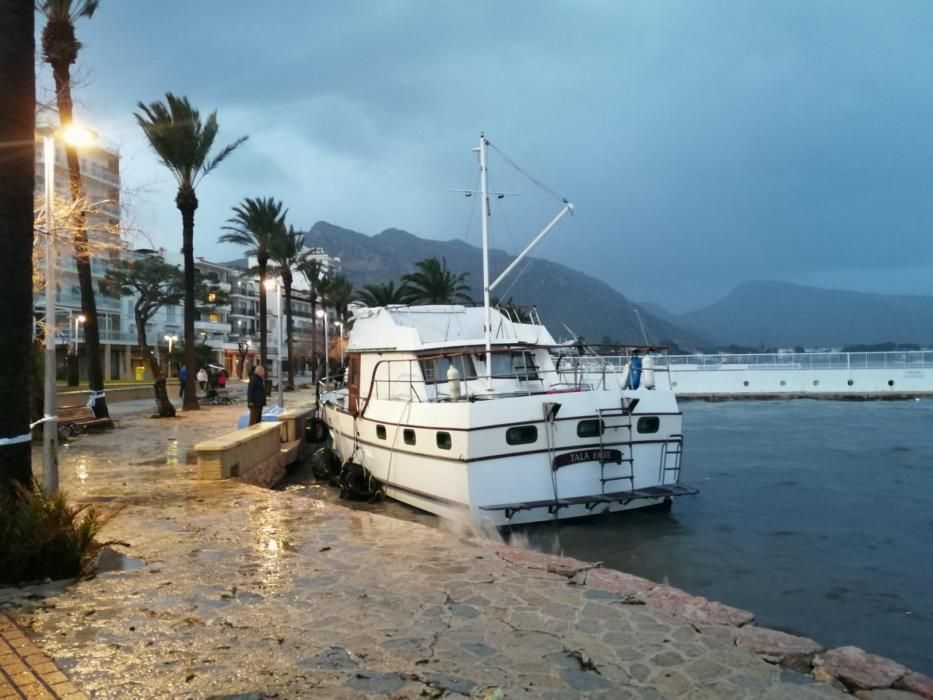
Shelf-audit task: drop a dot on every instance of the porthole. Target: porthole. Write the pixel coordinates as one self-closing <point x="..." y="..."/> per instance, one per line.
<point x="745" y="383"/>
<point x="443" y="441"/>
<point x="521" y="435"/>
<point x="590" y="428"/>
<point x="381" y="432"/>
<point x="648" y="424"/>
<point x="816" y="382"/>
<point x="673" y="383"/>
<point x="783" y="383"/>
<point x="850" y="382"/>
<point x="890" y="382"/>
<point x="409" y="436"/>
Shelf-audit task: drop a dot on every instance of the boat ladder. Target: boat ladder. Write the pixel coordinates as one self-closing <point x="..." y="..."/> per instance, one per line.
<point x="671" y="453"/>
<point x="624" y="461"/>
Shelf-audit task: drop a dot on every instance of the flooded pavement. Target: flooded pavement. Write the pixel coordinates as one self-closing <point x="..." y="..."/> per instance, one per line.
<point x="247" y="590"/>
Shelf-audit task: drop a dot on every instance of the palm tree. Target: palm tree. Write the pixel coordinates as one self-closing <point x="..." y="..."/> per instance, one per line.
<point x="433" y="283"/>
<point x="255" y="225"/>
<point x="384" y="294"/>
<point x="287" y="254"/>
<point x="183" y="143"/>
<point x="317" y="284"/>
<point x="17" y="184"/>
<point x="60" y="50"/>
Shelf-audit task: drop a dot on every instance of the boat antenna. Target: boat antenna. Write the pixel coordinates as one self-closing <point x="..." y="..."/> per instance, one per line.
<point x="641" y="325"/>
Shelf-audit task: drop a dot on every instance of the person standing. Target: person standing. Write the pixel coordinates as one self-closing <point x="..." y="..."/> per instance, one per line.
<point x="183" y="375"/>
<point x="256" y="395"/>
<point x="202" y="378"/>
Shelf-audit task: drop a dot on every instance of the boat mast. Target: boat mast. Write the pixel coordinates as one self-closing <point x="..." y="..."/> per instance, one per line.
<point x="487" y="326"/>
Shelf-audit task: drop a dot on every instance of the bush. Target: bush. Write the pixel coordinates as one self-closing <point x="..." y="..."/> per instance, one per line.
<point x="45" y="537"/>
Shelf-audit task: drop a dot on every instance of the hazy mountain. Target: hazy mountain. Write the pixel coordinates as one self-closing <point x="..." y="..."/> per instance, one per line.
<point x="562" y="295"/>
<point x="783" y="314"/>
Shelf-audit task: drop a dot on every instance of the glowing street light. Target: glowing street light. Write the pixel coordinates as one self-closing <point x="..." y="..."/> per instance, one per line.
<point x="171" y="340"/>
<point x="77" y="137"/>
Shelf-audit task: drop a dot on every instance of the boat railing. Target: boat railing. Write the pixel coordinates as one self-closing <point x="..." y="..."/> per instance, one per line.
<point x="404" y="379"/>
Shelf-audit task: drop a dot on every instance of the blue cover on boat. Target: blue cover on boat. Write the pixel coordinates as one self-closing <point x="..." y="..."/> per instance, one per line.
<point x="269" y="413"/>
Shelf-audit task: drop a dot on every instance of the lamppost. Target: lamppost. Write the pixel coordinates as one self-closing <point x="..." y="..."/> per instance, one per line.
<point x="321" y="313"/>
<point x="77" y="137"/>
<point x="270" y="284"/>
<point x="171" y="340"/>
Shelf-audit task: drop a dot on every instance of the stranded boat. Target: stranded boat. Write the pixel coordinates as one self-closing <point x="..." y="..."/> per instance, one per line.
<point x="475" y="415"/>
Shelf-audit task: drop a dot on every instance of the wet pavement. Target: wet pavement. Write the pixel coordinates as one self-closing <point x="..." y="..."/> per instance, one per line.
<point x="233" y="589"/>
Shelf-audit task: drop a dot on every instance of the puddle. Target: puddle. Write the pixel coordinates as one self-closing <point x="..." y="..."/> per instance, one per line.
<point x="112" y="560"/>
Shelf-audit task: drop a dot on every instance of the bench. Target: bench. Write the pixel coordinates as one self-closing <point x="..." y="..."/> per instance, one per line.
<point x="80" y="419"/>
<point x="255" y="455"/>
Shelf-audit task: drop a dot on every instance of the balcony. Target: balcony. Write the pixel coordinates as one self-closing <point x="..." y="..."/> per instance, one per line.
<point x="212" y="326"/>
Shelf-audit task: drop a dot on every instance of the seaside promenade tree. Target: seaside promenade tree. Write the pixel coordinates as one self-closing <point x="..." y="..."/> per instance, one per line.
<point x="255" y="225"/>
<point x="317" y="280"/>
<point x="184" y="145"/>
<point x="433" y="283"/>
<point x="288" y="255"/>
<point x="155" y="283"/>
<point x="339" y="295"/>
<point x="60" y="49"/>
<point x="17" y="185"/>
<point x="385" y="294"/>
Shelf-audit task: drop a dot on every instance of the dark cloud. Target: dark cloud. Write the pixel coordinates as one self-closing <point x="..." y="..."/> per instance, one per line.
<point x="703" y="143"/>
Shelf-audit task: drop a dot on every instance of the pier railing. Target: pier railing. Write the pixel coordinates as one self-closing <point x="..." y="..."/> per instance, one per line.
<point x="908" y="359"/>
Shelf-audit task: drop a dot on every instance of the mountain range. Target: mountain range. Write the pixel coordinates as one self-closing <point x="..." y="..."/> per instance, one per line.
<point x="753" y="314"/>
<point x="782" y="314"/>
<point x="588" y="306"/>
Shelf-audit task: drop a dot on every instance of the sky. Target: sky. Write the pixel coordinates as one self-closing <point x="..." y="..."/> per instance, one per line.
<point x="702" y="143"/>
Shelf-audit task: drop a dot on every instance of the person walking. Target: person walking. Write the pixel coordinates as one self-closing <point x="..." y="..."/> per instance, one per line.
<point x="183" y="375"/>
<point x="256" y="395"/>
<point x="202" y="378"/>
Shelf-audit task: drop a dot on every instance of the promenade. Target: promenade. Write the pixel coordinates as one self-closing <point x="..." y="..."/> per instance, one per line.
<point x="231" y="589"/>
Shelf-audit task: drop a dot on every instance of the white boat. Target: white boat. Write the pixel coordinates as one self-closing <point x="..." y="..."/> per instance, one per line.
<point x="477" y="416"/>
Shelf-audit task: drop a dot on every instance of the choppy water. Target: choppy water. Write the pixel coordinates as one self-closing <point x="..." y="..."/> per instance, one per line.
<point x="815" y="515"/>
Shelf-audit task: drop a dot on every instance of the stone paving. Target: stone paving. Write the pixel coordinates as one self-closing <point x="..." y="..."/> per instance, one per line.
<point x="240" y="590"/>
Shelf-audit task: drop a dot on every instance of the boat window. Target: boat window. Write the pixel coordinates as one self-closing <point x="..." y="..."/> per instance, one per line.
<point x="648" y="424"/>
<point x="409" y="436"/>
<point x="381" y="432"/>
<point x="435" y="370"/>
<point x="521" y="435"/>
<point x="519" y="365"/>
<point x="443" y="441"/>
<point x="590" y="428"/>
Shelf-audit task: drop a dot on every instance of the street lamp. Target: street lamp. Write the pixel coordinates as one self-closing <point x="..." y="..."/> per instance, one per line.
<point x="321" y="313"/>
<point x="170" y="339"/>
<point x="77" y="137"/>
<point x="270" y="284"/>
<point x="79" y="319"/>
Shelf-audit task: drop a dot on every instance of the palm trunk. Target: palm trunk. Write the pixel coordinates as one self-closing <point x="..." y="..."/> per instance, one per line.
<point x="163" y="405"/>
<point x="17" y="184"/>
<point x="187" y="202"/>
<point x="287" y="283"/>
<point x="62" y="75"/>
<point x="263" y="331"/>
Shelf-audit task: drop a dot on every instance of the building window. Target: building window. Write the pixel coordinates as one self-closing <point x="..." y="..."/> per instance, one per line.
<point x="381" y="432"/>
<point x="521" y="435"/>
<point x="590" y="428"/>
<point x="648" y="424"/>
<point x="409" y="436"/>
<point x="443" y="441"/>
<point x="212" y="297"/>
<point x="214" y="317"/>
